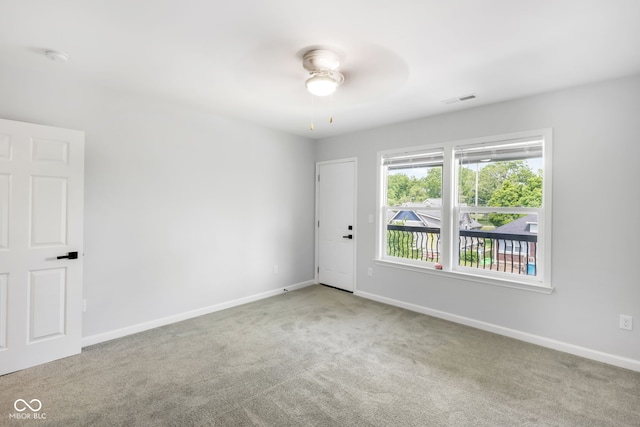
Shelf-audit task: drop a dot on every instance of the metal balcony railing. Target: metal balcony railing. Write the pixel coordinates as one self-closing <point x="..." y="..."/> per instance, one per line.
<point x="487" y="250"/>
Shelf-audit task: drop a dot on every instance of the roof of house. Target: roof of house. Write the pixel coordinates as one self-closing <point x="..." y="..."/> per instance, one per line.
<point x="411" y="217"/>
<point x="518" y="226"/>
<point x="406" y="216"/>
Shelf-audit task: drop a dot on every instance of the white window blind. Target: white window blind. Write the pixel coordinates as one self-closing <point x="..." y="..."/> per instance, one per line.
<point x="516" y="149"/>
<point x="409" y="160"/>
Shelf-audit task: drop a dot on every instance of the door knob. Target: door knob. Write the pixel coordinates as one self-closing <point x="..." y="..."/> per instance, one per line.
<point x="348" y="236"/>
<point x="70" y="255"/>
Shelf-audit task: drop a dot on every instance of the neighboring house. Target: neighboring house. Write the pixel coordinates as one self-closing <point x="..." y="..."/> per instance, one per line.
<point x="427" y="244"/>
<point x="414" y="218"/>
<point x="422" y="216"/>
<point x="514" y="253"/>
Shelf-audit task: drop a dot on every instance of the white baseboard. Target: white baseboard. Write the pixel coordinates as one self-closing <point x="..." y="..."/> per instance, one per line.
<point x="141" y="327"/>
<point x="300" y="285"/>
<point x="587" y="353"/>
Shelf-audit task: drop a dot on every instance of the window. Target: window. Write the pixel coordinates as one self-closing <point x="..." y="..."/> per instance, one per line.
<point x="413" y="208"/>
<point x="477" y="208"/>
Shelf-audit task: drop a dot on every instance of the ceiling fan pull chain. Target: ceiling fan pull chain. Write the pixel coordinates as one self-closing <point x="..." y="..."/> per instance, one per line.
<point x="331" y="109"/>
<point x="312" y="111"/>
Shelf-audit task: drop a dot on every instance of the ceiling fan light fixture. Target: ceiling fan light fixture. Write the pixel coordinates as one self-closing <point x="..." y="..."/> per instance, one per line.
<point x="322" y="66"/>
<point x="319" y="85"/>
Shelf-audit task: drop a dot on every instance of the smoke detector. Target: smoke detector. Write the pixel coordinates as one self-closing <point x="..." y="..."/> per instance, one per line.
<point x="56" y="56"/>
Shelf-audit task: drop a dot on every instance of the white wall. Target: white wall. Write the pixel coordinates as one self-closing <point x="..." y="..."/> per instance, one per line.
<point x="182" y="210"/>
<point x="596" y="206"/>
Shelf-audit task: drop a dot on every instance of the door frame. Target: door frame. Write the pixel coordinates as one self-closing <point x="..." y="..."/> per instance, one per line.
<point x="356" y="230"/>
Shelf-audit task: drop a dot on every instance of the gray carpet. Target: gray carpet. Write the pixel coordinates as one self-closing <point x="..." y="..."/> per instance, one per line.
<point x="319" y="356"/>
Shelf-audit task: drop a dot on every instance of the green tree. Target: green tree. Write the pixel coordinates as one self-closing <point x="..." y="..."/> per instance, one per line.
<point x="402" y="188"/>
<point x="417" y="191"/>
<point x="512" y="193"/>
<point x="433" y="183"/>
<point x="493" y="175"/>
<point x="508" y="194"/>
<point x="500" y="184"/>
<point x="532" y="192"/>
<point x="397" y="189"/>
<point x="467" y="186"/>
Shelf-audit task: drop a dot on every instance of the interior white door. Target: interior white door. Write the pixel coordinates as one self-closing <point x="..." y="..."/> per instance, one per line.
<point x="41" y="214"/>
<point x="336" y="196"/>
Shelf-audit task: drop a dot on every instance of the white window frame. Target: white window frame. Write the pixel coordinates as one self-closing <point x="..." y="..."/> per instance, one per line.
<point x="451" y="210"/>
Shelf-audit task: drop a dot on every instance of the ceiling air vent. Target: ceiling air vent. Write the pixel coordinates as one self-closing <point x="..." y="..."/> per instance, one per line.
<point x="460" y="98"/>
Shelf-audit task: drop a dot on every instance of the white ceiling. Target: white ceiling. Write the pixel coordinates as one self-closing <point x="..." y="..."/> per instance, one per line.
<point x="402" y="58"/>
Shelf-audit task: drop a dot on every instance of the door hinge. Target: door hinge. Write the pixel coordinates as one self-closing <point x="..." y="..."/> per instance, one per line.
<point x="318" y="224"/>
<point x="318" y="178"/>
<point x="318" y="269"/>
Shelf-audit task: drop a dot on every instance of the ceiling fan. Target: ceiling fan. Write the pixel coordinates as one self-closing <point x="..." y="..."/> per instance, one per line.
<point x="324" y="75"/>
<point x="287" y="74"/>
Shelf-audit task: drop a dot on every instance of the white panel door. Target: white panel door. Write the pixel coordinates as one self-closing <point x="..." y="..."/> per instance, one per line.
<point x="336" y="196"/>
<point x="41" y="213"/>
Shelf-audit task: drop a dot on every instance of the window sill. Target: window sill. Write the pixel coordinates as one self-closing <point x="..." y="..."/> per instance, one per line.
<point x="463" y="275"/>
